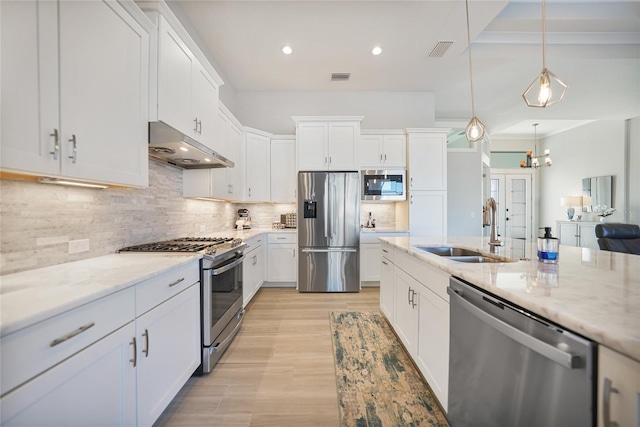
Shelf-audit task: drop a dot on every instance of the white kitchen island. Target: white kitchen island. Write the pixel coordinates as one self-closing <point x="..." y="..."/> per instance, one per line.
<point x="591" y="292"/>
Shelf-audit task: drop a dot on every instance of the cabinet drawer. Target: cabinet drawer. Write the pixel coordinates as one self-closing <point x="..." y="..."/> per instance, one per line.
<point x="154" y="291"/>
<point x="387" y="251"/>
<point x="283" y="238"/>
<point x="253" y="243"/>
<point x="32" y="350"/>
<point x="433" y="278"/>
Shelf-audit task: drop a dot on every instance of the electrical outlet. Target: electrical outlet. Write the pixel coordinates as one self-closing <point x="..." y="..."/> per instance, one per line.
<point x="473" y="214"/>
<point x="77" y="246"/>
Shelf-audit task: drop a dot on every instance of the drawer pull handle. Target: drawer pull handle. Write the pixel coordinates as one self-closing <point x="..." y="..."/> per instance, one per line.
<point x="281" y="238"/>
<point x="72" y="334"/>
<point x="135" y="352"/>
<point x="606" y="403"/>
<point x="384" y="263"/>
<point x="146" y="341"/>
<point x="56" y="146"/>
<point x="385" y="251"/>
<point x="172" y="284"/>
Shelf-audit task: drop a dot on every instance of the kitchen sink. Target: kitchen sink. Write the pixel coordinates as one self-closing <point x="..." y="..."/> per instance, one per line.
<point x="476" y="259"/>
<point x="462" y="254"/>
<point x="449" y="251"/>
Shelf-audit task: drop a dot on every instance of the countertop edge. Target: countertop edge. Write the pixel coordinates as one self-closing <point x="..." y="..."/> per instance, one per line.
<point x="629" y="346"/>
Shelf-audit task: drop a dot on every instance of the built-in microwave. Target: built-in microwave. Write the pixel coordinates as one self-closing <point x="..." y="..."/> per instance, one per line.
<point x="383" y="185"/>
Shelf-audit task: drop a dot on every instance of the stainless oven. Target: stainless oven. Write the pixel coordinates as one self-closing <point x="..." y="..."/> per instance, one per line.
<point x="383" y="185"/>
<point x="220" y="285"/>
<point x="222" y="310"/>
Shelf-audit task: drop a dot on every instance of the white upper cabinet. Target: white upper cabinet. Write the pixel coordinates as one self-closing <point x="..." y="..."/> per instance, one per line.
<point x="219" y="183"/>
<point x="380" y="150"/>
<point x="283" y="169"/>
<point x="257" y="150"/>
<point x="329" y="143"/>
<point x="175" y="74"/>
<point x="184" y="85"/>
<point x="427" y="159"/>
<point x="75" y="90"/>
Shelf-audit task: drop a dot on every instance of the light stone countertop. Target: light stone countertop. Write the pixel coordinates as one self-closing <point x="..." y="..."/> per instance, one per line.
<point x="594" y="293"/>
<point x="32" y="296"/>
<point x="29" y="297"/>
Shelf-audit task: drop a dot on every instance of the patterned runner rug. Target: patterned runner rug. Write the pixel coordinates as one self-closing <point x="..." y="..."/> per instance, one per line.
<point x="378" y="385"/>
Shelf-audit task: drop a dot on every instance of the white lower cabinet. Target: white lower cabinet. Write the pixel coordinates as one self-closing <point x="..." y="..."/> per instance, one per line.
<point x="97" y="386"/>
<point x="406" y="309"/>
<point x="618" y="389"/>
<point x="117" y="361"/>
<point x="282" y="260"/>
<point x="414" y="299"/>
<point x="370" y="267"/>
<point x="252" y="268"/>
<point x="168" y="341"/>
<point x="387" y="284"/>
<point x="432" y="357"/>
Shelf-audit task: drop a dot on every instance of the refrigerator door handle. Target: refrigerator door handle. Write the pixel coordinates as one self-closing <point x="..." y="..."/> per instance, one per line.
<point x="326" y="207"/>
<point x="328" y="250"/>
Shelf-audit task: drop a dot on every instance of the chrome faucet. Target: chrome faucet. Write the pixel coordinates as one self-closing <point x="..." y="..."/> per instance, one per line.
<point x="494" y="242"/>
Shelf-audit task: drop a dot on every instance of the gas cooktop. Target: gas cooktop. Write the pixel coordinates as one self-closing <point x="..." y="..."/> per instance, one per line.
<point x="205" y="245"/>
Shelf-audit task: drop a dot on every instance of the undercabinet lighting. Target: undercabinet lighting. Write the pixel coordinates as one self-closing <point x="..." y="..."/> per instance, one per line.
<point x="56" y="181"/>
<point x="184" y="149"/>
<point x="287" y="50"/>
<point x="206" y="159"/>
<point x="376" y="50"/>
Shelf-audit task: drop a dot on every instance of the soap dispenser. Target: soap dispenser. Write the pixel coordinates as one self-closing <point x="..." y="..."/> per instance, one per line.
<point x="548" y="247"/>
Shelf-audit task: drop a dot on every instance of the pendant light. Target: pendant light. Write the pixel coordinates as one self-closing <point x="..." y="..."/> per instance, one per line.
<point x="475" y="128"/>
<point x="546" y="89"/>
<point x="533" y="161"/>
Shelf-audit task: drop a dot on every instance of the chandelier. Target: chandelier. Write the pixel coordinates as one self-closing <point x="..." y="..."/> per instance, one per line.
<point x="534" y="161"/>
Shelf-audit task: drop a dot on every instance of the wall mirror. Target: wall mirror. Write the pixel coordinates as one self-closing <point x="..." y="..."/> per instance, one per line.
<point x="597" y="192"/>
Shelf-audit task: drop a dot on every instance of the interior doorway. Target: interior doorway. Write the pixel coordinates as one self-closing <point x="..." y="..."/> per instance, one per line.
<point x="513" y="194"/>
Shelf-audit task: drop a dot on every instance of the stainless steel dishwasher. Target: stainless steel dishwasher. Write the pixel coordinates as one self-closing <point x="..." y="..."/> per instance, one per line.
<point x="510" y="368"/>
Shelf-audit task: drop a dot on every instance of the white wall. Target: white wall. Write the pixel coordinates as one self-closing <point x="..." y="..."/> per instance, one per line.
<point x="595" y="149"/>
<point x="464" y="193"/>
<point x="633" y="167"/>
<point x="272" y="111"/>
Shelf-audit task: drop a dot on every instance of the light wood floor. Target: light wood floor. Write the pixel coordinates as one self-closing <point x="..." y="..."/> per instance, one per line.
<point x="279" y="370"/>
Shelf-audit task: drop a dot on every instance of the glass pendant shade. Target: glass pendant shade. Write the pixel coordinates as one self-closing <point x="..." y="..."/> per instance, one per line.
<point x="474" y="130"/>
<point x="546" y="89"/>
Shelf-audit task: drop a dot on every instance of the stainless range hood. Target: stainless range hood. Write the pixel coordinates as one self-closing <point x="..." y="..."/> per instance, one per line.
<point x="169" y="145"/>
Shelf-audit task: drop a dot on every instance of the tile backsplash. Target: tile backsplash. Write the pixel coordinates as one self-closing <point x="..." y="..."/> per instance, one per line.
<point x="37" y="221"/>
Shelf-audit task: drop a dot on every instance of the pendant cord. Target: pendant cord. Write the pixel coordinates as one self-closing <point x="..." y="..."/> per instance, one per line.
<point x="544" y="38"/>
<point x="473" y="109"/>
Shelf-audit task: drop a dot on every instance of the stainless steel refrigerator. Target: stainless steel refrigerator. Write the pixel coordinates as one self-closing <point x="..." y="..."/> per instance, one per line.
<point x="329" y="232"/>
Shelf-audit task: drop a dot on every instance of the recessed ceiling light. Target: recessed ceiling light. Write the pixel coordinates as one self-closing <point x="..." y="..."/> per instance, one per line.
<point x="184" y="149"/>
<point x="287" y="50"/>
<point x="376" y="50"/>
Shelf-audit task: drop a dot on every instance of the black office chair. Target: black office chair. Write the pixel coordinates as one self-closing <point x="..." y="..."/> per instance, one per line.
<point x="618" y="237"/>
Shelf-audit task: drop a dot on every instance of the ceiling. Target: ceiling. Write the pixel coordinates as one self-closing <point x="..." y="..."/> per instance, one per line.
<point x="593" y="46"/>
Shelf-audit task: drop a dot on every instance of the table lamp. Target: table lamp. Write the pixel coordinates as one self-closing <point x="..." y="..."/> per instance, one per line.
<point x="570" y="202"/>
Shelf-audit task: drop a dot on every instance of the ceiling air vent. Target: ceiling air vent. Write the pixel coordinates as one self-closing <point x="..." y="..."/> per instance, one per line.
<point x="440" y="49"/>
<point x="340" y="77"/>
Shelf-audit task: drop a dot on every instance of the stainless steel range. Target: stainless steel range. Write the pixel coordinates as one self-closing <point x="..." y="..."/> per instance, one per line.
<point x="220" y="285"/>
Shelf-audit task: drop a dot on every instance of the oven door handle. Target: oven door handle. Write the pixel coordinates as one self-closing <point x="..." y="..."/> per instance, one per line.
<point x="224" y="268"/>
